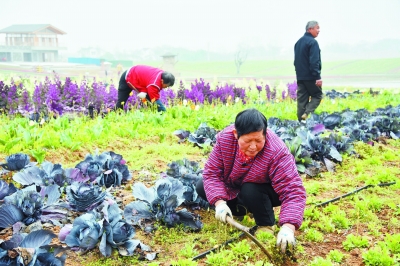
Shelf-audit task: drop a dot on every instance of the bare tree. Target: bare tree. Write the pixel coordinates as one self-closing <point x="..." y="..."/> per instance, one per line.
<point x="240" y="57"/>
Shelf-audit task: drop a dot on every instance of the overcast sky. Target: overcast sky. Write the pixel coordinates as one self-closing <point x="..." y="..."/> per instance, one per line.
<point x="217" y="25"/>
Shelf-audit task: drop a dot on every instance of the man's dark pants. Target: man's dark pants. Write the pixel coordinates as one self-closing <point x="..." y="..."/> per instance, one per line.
<point x="258" y="199"/>
<point x="305" y="90"/>
<point x="124" y="92"/>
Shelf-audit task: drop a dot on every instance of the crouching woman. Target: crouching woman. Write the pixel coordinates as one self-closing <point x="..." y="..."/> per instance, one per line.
<point x="250" y="170"/>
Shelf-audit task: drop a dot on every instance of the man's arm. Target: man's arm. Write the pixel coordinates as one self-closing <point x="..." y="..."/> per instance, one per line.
<point x="153" y="92"/>
<point x="315" y="61"/>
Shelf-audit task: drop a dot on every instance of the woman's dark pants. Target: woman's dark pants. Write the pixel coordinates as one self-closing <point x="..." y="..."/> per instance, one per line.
<point x="258" y="199"/>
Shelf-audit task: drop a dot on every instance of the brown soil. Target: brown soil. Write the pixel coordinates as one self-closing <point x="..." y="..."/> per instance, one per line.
<point x="332" y="241"/>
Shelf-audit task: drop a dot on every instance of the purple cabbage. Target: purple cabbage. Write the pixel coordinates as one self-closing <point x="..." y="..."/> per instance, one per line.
<point x="189" y="173"/>
<point x="31" y="249"/>
<point x="108" y="169"/>
<point x="9" y="215"/>
<point x="203" y="136"/>
<point x="36" y="206"/>
<point x="6" y="189"/>
<point x="85" y="233"/>
<point x="181" y="134"/>
<point x="84" y="197"/>
<point x="49" y="174"/>
<point x="16" y="162"/>
<point x="29" y="202"/>
<point x="159" y="203"/>
<point x="117" y="233"/>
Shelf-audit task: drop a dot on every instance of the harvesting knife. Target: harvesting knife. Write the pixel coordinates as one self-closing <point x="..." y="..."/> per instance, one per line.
<point x="246" y="231"/>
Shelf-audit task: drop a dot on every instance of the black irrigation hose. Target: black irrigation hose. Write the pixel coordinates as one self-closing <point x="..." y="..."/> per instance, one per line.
<point x="202" y="255"/>
<point x="353" y="192"/>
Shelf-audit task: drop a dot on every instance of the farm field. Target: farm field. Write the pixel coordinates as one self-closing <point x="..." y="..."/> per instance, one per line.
<point x="361" y="229"/>
<point x="361" y="73"/>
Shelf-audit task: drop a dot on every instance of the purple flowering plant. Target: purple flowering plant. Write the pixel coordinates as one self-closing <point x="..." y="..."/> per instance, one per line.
<point x="12" y="97"/>
<point x="292" y="90"/>
<point x="25" y="105"/>
<point x="53" y="99"/>
<point x="57" y="97"/>
<point x="3" y="96"/>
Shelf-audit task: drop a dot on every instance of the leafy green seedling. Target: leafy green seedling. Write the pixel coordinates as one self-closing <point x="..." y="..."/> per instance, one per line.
<point x="212" y="241"/>
<point x="162" y="137"/>
<point x="336" y="256"/>
<point x="242" y="250"/>
<point x="339" y="219"/>
<point x="331" y="208"/>
<point x="305" y="225"/>
<point x="325" y="224"/>
<point x="374" y="228"/>
<point x="362" y="210"/>
<point x="393" y="243"/>
<point x="393" y="223"/>
<point x="375" y="204"/>
<point x="264" y="236"/>
<point x="39" y="155"/>
<point x="314" y="235"/>
<point x="312" y="188"/>
<point x="312" y="213"/>
<point x="300" y="249"/>
<point x="389" y="155"/>
<point x="319" y="261"/>
<point x="353" y="242"/>
<point x="188" y="251"/>
<point x="223" y="258"/>
<point x="373" y="161"/>
<point x="395" y="207"/>
<point x="377" y="256"/>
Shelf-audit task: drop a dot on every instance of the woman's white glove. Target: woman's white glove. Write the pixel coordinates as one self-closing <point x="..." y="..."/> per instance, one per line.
<point x="221" y="211"/>
<point x="142" y="95"/>
<point x="285" y="238"/>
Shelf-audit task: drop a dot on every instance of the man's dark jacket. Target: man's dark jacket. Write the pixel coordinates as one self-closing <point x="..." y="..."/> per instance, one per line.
<point x="307" y="58"/>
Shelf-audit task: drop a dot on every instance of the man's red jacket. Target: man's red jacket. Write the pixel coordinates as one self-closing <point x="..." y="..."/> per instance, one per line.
<point x="145" y="79"/>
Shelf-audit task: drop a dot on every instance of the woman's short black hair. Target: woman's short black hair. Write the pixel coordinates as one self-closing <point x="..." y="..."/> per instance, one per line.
<point x="168" y="78"/>
<point x="249" y="121"/>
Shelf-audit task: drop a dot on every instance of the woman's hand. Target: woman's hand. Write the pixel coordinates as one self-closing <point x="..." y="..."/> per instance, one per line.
<point x="286" y="237"/>
<point x="222" y="210"/>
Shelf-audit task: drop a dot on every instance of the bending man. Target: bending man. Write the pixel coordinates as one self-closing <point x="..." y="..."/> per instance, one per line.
<point x="147" y="82"/>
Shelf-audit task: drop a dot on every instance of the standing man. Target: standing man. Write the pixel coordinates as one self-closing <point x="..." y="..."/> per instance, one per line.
<point x="307" y="62"/>
<point x="250" y="170"/>
<point x="147" y="82"/>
